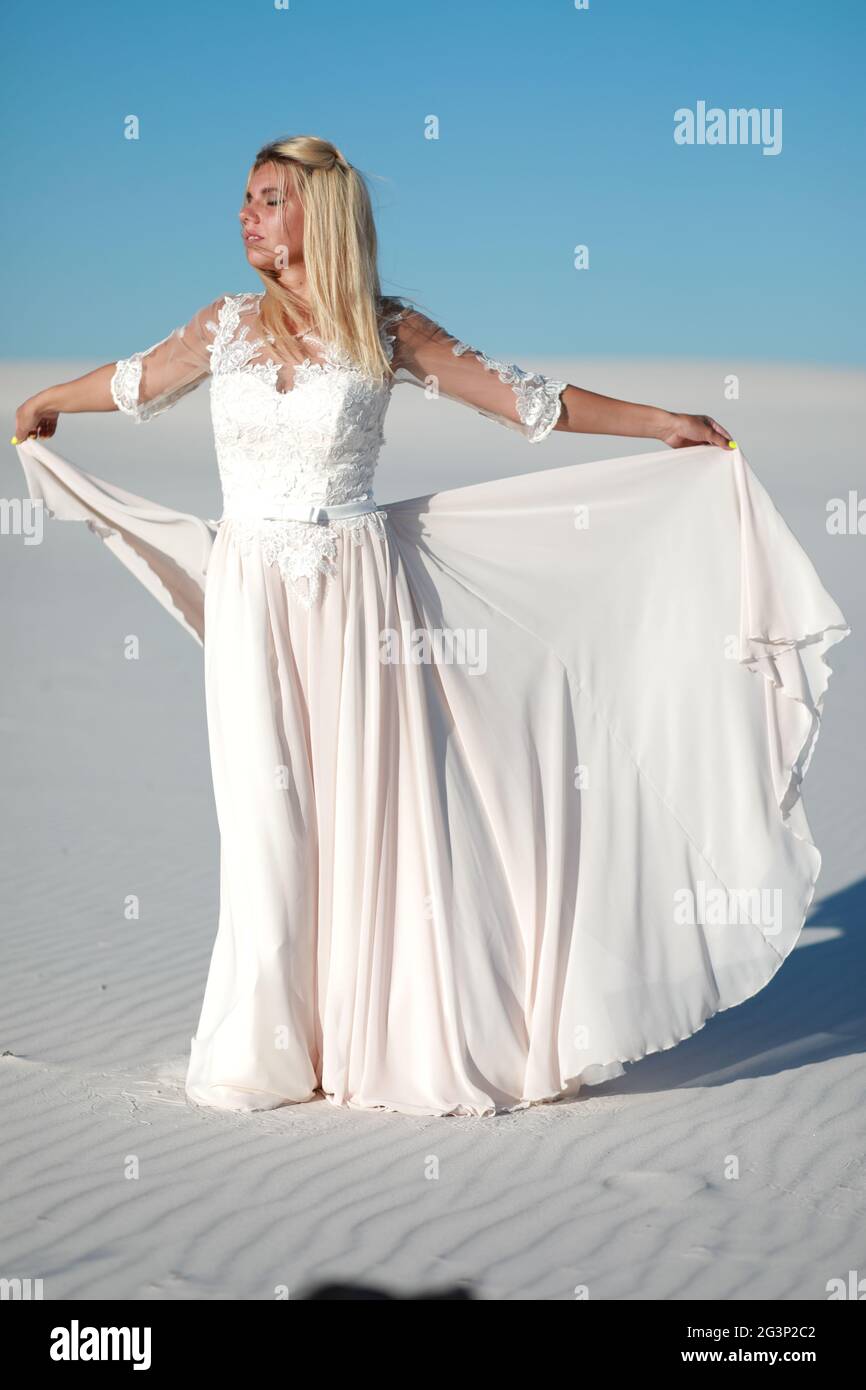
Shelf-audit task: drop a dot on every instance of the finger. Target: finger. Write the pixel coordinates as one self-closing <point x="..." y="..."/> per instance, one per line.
<point x="720" y="429"/>
<point x="718" y="434"/>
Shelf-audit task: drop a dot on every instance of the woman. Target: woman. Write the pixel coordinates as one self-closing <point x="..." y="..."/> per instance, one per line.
<point x="507" y="778"/>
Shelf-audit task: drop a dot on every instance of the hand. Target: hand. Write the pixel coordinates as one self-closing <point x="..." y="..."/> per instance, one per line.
<point x="34" y="419"/>
<point x="684" y="431"/>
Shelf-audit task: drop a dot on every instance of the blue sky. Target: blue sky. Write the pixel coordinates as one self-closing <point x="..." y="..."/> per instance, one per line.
<point x="555" y="130"/>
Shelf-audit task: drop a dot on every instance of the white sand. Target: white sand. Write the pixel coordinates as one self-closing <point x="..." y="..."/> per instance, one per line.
<point x="625" y="1189"/>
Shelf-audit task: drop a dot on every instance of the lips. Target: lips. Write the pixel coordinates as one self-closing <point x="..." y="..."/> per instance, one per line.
<point x="249" y="236"/>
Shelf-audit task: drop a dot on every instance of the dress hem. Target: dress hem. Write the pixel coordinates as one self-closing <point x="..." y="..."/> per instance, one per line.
<point x="772" y="658"/>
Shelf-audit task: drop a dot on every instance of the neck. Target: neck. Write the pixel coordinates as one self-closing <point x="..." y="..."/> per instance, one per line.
<point x="294" y="278"/>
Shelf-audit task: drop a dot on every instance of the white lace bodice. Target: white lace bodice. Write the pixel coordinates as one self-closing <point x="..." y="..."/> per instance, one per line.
<point x="317" y="442"/>
<point x="310" y="431"/>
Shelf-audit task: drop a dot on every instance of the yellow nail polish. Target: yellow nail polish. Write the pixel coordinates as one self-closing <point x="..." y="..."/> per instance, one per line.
<point x="14" y="439"/>
<point x="732" y="444"/>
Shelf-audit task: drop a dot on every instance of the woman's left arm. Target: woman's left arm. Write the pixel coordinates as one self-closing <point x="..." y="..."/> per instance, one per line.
<point x="586" y="412"/>
<point x="428" y="355"/>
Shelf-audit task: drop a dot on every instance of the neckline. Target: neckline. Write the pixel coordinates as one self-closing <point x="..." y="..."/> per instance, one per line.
<point x="329" y="346"/>
<point x="333" y="356"/>
<point x="259" y="295"/>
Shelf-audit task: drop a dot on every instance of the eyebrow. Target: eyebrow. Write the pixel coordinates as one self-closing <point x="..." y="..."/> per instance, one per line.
<point x="264" y="190"/>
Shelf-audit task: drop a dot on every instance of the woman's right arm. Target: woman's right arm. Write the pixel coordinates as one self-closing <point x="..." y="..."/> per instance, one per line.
<point x="142" y="386"/>
<point x="38" y="415"/>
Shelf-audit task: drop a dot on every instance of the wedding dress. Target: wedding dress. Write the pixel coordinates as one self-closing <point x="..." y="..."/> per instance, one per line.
<point x="507" y="777"/>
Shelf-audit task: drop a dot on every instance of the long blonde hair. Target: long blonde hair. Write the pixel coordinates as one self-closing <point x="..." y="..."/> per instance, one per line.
<point x="340" y="255"/>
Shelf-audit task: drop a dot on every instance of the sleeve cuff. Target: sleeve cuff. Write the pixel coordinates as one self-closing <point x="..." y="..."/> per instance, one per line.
<point x="124" y="387"/>
<point x="539" y="405"/>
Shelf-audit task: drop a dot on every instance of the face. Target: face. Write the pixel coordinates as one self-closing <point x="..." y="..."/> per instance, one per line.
<point x="272" y="223"/>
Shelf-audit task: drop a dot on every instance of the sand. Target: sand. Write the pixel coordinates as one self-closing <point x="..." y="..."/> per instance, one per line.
<point x="114" y="1186"/>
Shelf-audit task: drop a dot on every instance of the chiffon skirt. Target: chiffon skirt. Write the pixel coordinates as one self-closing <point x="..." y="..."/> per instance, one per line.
<point x="517" y="800"/>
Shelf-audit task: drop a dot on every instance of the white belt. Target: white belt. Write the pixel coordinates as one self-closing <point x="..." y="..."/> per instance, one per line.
<point x="291" y="509"/>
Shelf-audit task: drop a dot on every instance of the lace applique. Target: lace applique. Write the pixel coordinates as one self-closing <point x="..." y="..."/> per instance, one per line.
<point x="305" y="552"/>
<point x="231" y="350"/>
<point x="125" y="385"/>
<point x="538" y="397"/>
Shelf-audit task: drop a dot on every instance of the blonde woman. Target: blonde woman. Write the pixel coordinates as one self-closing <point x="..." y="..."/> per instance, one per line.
<point x="489" y="765"/>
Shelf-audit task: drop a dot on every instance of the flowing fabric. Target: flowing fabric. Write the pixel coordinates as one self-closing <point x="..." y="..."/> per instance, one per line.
<point x="517" y="799"/>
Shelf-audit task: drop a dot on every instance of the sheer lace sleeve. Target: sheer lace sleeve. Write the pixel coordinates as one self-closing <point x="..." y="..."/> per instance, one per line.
<point x="427" y="355"/>
<point x="149" y="382"/>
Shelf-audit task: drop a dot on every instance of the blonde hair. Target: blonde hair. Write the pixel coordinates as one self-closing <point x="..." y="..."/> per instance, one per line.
<point x="340" y="255"/>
